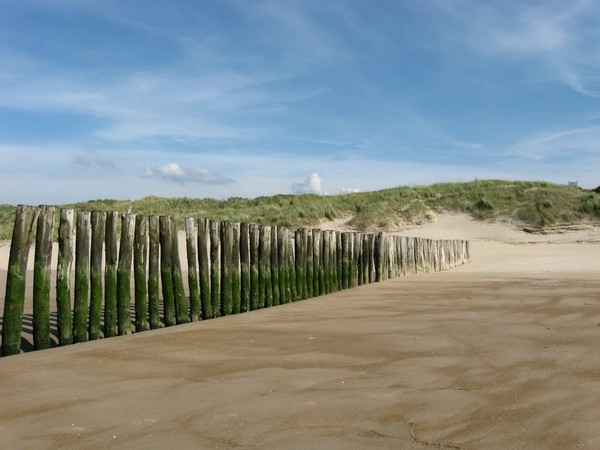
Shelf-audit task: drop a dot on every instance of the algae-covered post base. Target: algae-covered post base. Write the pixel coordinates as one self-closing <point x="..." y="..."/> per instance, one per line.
<point x="14" y="300"/>
<point x="140" y="256"/>
<point x="82" y="276"/>
<point x="96" y="295"/>
<point x="124" y="274"/>
<point x="41" y="278"/>
<point x="153" y="272"/>
<point x="274" y="267"/>
<point x="110" y="275"/>
<point x="63" y="277"/>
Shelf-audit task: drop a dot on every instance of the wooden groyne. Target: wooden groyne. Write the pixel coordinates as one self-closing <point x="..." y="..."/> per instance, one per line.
<point x="231" y="268"/>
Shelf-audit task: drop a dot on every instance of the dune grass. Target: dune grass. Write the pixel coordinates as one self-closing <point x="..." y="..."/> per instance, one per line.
<point x="530" y="204"/>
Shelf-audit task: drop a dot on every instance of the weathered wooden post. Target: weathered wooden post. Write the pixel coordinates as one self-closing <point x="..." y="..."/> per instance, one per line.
<point x="274" y="266"/>
<point x="318" y="286"/>
<point x="153" y="271"/>
<point x="204" y="267"/>
<point x="110" y="275"/>
<point x="325" y="250"/>
<point x="346" y="260"/>
<point x="96" y="296"/>
<point x="235" y="270"/>
<point x="265" y="288"/>
<point x="63" y="277"/>
<point x="166" y="270"/>
<point x="284" y="289"/>
<point x="307" y="243"/>
<point x="356" y="258"/>
<point x="254" y="233"/>
<point x="226" y="268"/>
<point x="191" y="241"/>
<point x="378" y="256"/>
<point x="245" y="289"/>
<point x="300" y="261"/>
<point x="82" y="277"/>
<point x="14" y="300"/>
<point x="41" y="278"/>
<point x="215" y="267"/>
<point x="124" y="274"/>
<point x="291" y="267"/>
<point x="182" y="313"/>
<point x="140" y="257"/>
<point x="338" y="261"/>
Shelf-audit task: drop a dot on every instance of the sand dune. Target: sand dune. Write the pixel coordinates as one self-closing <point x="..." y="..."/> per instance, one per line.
<point x="499" y="353"/>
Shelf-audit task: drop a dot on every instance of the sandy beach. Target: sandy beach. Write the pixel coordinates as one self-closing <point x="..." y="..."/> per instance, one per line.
<point x="501" y="353"/>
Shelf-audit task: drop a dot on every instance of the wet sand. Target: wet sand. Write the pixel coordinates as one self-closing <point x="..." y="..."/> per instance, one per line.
<point x="501" y="353"/>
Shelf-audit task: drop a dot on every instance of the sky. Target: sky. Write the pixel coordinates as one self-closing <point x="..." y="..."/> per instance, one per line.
<point x="244" y="98"/>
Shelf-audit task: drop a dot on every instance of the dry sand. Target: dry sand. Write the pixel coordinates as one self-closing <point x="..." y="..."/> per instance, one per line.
<point x="501" y="353"/>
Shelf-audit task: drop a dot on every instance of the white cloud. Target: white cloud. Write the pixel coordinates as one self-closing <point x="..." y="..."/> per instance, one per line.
<point x="174" y="172"/>
<point x="312" y="185"/>
<point x="351" y="190"/>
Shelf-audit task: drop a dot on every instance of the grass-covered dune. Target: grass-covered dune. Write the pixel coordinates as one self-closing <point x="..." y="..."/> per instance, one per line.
<point x="531" y="205"/>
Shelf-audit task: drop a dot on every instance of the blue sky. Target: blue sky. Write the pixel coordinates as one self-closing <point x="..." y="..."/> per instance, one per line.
<point x="114" y="99"/>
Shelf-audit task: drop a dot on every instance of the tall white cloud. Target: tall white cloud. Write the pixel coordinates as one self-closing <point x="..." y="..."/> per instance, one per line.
<point x="312" y="185"/>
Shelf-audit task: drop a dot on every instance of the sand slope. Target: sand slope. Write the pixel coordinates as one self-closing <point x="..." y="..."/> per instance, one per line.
<point x="500" y="353"/>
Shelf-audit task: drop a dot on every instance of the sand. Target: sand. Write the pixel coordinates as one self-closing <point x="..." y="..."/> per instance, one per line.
<point x="501" y="353"/>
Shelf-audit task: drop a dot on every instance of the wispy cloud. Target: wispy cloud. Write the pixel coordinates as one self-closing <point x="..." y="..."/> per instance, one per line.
<point x="178" y="174"/>
<point x="556" y="37"/>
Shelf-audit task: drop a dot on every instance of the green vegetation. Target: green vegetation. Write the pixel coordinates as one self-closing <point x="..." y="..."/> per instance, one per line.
<point x="529" y="204"/>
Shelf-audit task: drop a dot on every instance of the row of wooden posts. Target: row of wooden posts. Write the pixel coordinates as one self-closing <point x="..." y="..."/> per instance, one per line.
<point x="232" y="268"/>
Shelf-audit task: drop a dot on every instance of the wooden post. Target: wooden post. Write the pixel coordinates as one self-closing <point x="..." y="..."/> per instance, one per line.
<point x="235" y="270"/>
<point x="338" y="261"/>
<point x="166" y="270"/>
<point x="318" y="287"/>
<point x="110" y="275"/>
<point x="356" y="258"/>
<point x="96" y="295"/>
<point x="307" y="243"/>
<point x="226" y="268"/>
<point x="63" y="277"/>
<point x="346" y="260"/>
<point x="140" y="257"/>
<point x="204" y="267"/>
<point x="275" y="266"/>
<point x="41" y="278"/>
<point x="324" y="272"/>
<point x="14" y="300"/>
<point x="300" y="263"/>
<point x="245" y="262"/>
<point x="215" y="267"/>
<point x="284" y="288"/>
<point x="254" y="233"/>
<point x="182" y="313"/>
<point x="265" y="289"/>
<point x="82" y="277"/>
<point x="153" y="272"/>
<point x="291" y="267"/>
<point x="124" y="274"/>
<point x="191" y="241"/>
